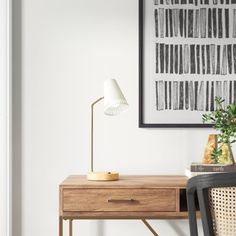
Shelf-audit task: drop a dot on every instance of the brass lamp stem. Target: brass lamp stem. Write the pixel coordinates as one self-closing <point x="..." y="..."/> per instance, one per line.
<point x="92" y="125"/>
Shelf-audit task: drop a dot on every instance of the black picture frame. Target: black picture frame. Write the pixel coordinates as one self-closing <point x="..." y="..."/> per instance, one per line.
<point x="141" y="121"/>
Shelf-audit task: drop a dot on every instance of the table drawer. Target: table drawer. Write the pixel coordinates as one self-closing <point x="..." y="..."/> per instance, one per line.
<point x="160" y="199"/>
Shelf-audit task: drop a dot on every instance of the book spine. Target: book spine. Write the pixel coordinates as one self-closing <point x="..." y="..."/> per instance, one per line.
<point x="206" y="168"/>
<point x="190" y="174"/>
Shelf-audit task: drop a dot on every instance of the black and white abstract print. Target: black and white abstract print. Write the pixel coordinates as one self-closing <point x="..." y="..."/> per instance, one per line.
<point x="189" y="58"/>
<point x="193" y="95"/>
<point x="194" y="23"/>
<point x="196" y="59"/>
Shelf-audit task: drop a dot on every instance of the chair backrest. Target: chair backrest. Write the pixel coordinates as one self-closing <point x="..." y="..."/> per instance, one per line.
<point x="223" y="210"/>
<point x="217" y="202"/>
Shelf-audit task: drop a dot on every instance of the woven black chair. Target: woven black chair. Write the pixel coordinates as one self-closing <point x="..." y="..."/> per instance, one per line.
<point x="216" y="194"/>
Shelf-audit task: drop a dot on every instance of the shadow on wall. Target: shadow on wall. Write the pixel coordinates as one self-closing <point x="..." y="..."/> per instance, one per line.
<point x="97" y="227"/>
<point x="100" y="229"/>
<point x="177" y="228"/>
<point x="16" y="118"/>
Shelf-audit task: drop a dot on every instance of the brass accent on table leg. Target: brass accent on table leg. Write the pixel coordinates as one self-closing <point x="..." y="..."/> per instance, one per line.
<point x="70" y="227"/>
<point x="60" y="226"/>
<point x="149" y="227"/>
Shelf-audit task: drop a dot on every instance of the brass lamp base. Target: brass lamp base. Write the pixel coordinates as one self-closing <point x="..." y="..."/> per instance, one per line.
<point x="103" y="176"/>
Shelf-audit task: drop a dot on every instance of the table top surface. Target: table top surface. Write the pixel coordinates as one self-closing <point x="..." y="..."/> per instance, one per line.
<point x="127" y="181"/>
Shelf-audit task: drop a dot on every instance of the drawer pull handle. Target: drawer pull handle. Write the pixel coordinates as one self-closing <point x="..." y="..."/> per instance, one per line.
<point x="120" y="200"/>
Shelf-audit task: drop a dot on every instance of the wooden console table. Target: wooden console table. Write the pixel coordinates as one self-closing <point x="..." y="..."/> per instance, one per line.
<point x="131" y="197"/>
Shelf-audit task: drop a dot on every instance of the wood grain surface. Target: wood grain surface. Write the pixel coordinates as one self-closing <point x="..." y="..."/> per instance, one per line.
<point x="128" y="181"/>
<point x="119" y="200"/>
<point x="131" y="197"/>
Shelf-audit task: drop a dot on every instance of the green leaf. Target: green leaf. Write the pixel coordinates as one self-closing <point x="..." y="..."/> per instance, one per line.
<point x="223" y="120"/>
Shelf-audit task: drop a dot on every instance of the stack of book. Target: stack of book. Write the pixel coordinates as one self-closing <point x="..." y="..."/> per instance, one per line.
<point x="199" y="169"/>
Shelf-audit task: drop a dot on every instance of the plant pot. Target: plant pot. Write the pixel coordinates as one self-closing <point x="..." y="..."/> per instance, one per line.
<point x="226" y="158"/>
<point x="211" y="145"/>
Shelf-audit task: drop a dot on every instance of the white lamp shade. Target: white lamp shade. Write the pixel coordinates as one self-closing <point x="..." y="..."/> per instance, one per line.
<point x="114" y="100"/>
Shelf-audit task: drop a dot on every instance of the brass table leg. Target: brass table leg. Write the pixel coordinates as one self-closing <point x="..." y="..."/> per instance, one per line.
<point x="70" y="227"/>
<point x="60" y="226"/>
<point x="149" y="227"/>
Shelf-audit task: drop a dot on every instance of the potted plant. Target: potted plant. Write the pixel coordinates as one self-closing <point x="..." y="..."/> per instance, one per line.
<point x="224" y="121"/>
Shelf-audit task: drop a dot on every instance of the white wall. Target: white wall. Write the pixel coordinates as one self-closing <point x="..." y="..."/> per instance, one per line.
<point x="5" y="117"/>
<point x="64" y="51"/>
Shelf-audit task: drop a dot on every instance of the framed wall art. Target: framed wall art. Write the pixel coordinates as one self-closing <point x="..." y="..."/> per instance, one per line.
<point x="187" y="57"/>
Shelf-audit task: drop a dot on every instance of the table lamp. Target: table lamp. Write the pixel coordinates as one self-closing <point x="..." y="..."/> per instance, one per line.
<point x="114" y="104"/>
